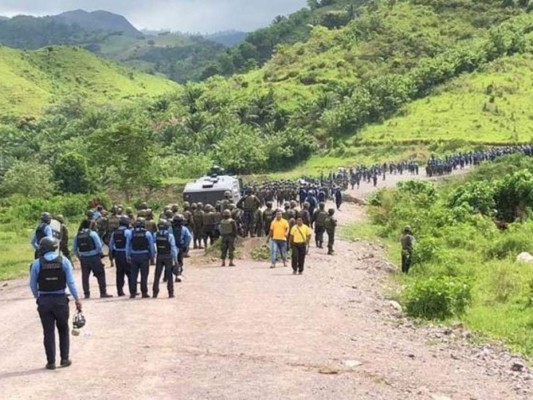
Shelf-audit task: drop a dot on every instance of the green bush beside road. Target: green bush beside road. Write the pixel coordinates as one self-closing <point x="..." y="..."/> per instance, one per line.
<point x="469" y="232"/>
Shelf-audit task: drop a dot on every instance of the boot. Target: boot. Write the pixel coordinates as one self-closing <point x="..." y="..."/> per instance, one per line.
<point x="231" y="264"/>
<point x="223" y="263"/>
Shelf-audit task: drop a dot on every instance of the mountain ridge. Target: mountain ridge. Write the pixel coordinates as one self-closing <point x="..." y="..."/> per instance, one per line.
<point x="98" y="20"/>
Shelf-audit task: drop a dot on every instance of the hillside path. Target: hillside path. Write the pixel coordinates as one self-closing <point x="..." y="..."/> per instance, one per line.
<point x="249" y="333"/>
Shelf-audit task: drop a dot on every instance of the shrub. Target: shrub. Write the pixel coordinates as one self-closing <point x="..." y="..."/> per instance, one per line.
<point x="426" y="250"/>
<point x="437" y="298"/>
<point x="261" y="253"/>
<point x="510" y="244"/>
<point x="478" y="195"/>
<point x="503" y="283"/>
<point x="29" y="179"/>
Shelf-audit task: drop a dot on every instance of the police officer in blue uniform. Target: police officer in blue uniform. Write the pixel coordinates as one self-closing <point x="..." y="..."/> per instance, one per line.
<point x="43" y="230"/>
<point x="140" y="252"/>
<point x="50" y="275"/>
<point x="167" y="256"/>
<point x="88" y="248"/>
<point x="183" y="238"/>
<point x="117" y="253"/>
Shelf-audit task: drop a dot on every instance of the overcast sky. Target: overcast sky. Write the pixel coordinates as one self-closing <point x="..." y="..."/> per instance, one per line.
<point x="182" y="15"/>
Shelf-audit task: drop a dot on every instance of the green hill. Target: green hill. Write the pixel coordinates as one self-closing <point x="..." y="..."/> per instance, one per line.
<point x="488" y="107"/>
<point x="259" y="46"/>
<point x="178" y="56"/>
<point x="98" y="21"/>
<point x="33" y="80"/>
<point x="319" y="97"/>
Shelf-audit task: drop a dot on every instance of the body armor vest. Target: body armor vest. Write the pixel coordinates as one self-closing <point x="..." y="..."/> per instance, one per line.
<point x="85" y="242"/>
<point x="139" y="241"/>
<point x="119" y="237"/>
<point x="162" y="243"/>
<point x="226" y="227"/>
<point x="51" y="276"/>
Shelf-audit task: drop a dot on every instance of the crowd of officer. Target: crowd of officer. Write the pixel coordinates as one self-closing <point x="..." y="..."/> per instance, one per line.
<point x="134" y="244"/>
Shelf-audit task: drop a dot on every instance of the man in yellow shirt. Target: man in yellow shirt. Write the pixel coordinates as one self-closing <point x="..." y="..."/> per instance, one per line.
<point x="279" y="231"/>
<point x="299" y="239"/>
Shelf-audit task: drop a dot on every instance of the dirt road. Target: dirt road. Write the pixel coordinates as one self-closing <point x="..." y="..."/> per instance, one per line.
<point x="249" y="333"/>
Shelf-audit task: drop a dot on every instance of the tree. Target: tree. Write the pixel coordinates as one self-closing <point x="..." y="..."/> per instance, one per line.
<point x="29" y="179"/>
<point x="313" y="4"/>
<point x="125" y="153"/>
<point x="72" y="174"/>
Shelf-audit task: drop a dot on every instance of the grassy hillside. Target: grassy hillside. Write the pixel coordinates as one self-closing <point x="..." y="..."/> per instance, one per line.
<point x="388" y="40"/>
<point x="315" y="95"/>
<point x="177" y="56"/>
<point x="489" y="106"/>
<point x="32" y="80"/>
<point x="259" y="46"/>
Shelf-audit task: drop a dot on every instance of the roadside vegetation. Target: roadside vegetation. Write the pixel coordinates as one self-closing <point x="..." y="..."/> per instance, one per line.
<point x="469" y="233"/>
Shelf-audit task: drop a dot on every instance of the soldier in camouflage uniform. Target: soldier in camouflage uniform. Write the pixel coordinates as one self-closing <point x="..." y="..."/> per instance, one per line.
<point x="102" y="227"/>
<point x="306" y="215"/>
<point x="319" y="221"/>
<point x="407" y="241"/>
<point x="198" y="227"/>
<point x="188" y="222"/>
<point x="218" y="219"/>
<point x="330" y="226"/>
<point x="259" y="223"/>
<point x="150" y="224"/>
<point x="113" y="221"/>
<point x="268" y="217"/>
<point x="228" y="232"/>
<point x="208" y="224"/>
<point x="236" y="214"/>
<point x="228" y="199"/>
<point x="63" y="238"/>
<point x="249" y="204"/>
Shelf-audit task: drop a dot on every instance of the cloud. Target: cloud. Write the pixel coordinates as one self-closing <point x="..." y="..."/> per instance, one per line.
<point x="182" y="15"/>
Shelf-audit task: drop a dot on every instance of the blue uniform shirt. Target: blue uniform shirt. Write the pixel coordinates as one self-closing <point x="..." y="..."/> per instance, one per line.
<point x="186" y="237"/>
<point x="91" y="253"/>
<point x="67" y="269"/>
<point x="112" y="239"/>
<point x="47" y="233"/>
<point x="151" y="245"/>
<point x="174" y="251"/>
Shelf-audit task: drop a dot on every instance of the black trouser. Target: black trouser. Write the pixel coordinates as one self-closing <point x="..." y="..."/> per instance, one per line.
<point x="319" y="238"/>
<point x="298" y="256"/>
<point x="123" y="269"/>
<point x="181" y="253"/>
<point x="54" y="311"/>
<point x="163" y="263"/>
<point x="331" y="239"/>
<point x="228" y="246"/>
<point x="139" y="263"/>
<point x="406" y="261"/>
<point x="92" y="264"/>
